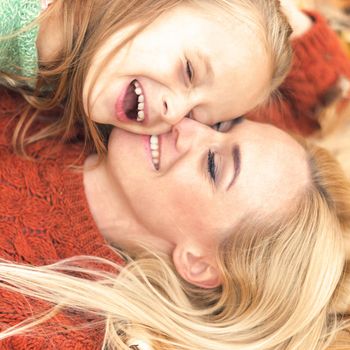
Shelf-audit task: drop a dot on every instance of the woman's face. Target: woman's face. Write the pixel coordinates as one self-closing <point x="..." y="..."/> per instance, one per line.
<point x="195" y="183"/>
<point x="189" y="62"/>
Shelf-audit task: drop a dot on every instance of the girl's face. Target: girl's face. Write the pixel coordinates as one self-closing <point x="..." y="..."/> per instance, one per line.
<point x="189" y="62"/>
<point x="195" y="183"/>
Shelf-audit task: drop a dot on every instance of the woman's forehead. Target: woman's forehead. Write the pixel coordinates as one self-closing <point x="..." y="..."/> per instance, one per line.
<point x="274" y="169"/>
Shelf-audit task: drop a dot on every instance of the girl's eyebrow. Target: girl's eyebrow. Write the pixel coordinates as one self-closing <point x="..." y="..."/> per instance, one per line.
<point x="208" y="73"/>
<point x="236" y="156"/>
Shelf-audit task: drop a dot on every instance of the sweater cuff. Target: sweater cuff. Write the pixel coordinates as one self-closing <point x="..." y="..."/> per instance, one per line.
<point x="320" y="39"/>
<point x="18" y="54"/>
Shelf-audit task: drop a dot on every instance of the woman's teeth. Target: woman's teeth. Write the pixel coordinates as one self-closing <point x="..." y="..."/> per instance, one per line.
<point x="140" y="100"/>
<point x="154" y="145"/>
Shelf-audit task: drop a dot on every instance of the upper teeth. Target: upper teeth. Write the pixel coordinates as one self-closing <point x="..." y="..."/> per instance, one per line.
<point x="154" y="145"/>
<point x="140" y="100"/>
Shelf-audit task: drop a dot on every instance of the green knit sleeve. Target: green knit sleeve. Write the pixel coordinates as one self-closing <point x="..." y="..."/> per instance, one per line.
<point x="18" y="54"/>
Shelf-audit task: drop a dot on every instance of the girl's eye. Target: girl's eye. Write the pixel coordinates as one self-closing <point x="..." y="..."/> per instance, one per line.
<point x="189" y="115"/>
<point x="189" y="70"/>
<point x="223" y="126"/>
<point x="227" y="125"/>
<point x="212" y="169"/>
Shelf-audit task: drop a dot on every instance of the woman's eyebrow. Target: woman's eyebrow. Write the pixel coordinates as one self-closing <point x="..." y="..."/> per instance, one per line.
<point x="236" y="156"/>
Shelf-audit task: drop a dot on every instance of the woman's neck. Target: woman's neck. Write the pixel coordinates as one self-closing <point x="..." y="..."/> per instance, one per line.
<point x="107" y="205"/>
<point x="111" y="212"/>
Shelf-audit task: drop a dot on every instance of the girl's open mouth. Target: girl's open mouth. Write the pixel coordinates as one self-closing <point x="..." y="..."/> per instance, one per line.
<point x="133" y="104"/>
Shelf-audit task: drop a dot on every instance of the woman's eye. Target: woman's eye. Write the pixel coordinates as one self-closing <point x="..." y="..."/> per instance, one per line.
<point x="212" y="169"/>
<point x="189" y="70"/>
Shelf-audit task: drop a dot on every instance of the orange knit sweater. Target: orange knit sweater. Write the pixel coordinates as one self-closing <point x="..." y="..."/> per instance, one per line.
<point x="319" y="62"/>
<point x="44" y="216"/>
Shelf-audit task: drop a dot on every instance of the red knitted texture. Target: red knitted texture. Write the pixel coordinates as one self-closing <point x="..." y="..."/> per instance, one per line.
<point x="319" y="61"/>
<point x="44" y="217"/>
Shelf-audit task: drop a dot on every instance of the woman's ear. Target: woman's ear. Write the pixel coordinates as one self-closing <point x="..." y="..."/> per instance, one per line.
<point x="195" y="267"/>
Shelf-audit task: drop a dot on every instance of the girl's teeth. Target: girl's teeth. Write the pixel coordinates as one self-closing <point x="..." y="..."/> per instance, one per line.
<point x="140" y="116"/>
<point x="140" y="100"/>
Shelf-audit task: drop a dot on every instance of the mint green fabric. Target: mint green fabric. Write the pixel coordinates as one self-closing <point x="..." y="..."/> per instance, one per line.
<point x="18" y="54"/>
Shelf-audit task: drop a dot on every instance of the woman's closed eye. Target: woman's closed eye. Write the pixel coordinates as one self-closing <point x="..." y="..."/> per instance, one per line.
<point x="212" y="167"/>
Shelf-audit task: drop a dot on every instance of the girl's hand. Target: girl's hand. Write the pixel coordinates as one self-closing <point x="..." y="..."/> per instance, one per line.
<point x="299" y="21"/>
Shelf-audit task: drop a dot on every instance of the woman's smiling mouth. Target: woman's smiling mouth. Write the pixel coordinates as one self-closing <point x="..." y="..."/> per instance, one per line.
<point x="154" y="145"/>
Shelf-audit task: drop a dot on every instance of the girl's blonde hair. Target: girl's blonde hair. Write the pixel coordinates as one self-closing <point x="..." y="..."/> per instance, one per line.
<point x="286" y="282"/>
<point x="87" y="24"/>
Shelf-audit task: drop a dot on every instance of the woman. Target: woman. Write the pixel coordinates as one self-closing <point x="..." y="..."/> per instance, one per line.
<point x="242" y="237"/>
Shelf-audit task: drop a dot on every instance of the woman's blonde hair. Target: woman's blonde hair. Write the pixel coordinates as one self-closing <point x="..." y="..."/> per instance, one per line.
<point x="87" y="24"/>
<point x="286" y="282"/>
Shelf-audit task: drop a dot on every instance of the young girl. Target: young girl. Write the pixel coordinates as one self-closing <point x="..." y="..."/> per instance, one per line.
<point x="146" y="65"/>
<point x="246" y="248"/>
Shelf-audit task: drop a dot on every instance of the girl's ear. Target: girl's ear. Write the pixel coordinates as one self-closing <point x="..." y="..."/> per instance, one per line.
<point x="195" y="267"/>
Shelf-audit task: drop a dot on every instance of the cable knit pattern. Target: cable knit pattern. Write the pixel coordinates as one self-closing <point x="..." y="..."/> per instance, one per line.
<point x="18" y="55"/>
<point x="44" y="217"/>
<point x="319" y="61"/>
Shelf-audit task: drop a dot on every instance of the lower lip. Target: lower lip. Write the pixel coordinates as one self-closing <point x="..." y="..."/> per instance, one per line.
<point x="118" y="107"/>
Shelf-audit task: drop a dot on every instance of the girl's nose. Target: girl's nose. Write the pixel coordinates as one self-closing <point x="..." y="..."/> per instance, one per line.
<point x="175" y="108"/>
<point x="189" y="133"/>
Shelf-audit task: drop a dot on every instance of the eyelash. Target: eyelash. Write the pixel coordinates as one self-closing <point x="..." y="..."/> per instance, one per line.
<point x="212" y="168"/>
<point x="189" y="70"/>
